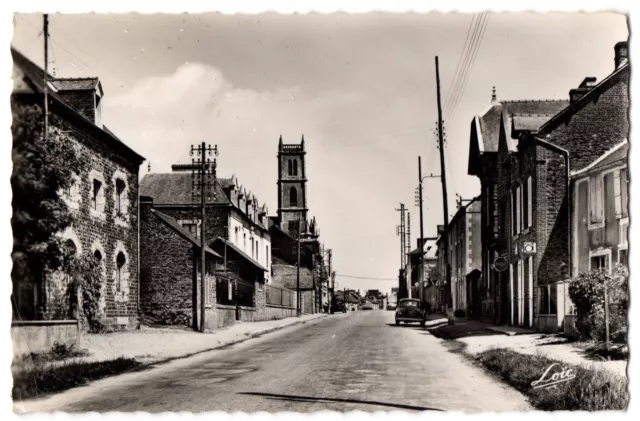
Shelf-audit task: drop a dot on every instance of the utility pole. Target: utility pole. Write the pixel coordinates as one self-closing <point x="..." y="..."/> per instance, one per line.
<point x="203" y="180"/>
<point x="421" y="275"/>
<point x="333" y="285"/>
<point x="444" y="198"/>
<point x="46" y="77"/>
<point x="400" y="231"/>
<point x="409" y="286"/>
<point x="299" y="306"/>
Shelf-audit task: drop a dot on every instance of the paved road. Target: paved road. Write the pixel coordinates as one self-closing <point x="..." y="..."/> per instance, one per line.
<point x="355" y="361"/>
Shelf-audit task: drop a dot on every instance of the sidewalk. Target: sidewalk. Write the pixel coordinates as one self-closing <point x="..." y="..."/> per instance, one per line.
<point x="153" y="345"/>
<point x="478" y="337"/>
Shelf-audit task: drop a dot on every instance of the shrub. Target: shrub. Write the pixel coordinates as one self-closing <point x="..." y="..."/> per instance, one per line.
<point x="87" y="279"/>
<point x="587" y="294"/>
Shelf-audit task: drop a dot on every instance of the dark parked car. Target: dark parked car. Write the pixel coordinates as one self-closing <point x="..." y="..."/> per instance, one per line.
<point x="339" y="308"/>
<point x="411" y="310"/>
<point x="391" y="307"/>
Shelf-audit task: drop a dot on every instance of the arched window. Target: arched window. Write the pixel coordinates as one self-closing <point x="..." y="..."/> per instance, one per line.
<point x="120" y="261"/>
<point x="98" y="256"/>
<point x="290" y="167"/>
<point x="293" y="197"/>
<point x="295" y="167"/>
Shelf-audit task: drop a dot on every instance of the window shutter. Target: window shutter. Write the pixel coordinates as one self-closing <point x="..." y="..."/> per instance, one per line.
<point x="592" y="199"/>
<point x="617" y="193"/>
<point x="600" y="198"/>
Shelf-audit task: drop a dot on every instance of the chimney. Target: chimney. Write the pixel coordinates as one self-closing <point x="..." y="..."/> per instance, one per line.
<point x="621" y="53"/>
<point x="494" y="97"/>
<point x="587" y="84"/>
<point x="84" y="95"/>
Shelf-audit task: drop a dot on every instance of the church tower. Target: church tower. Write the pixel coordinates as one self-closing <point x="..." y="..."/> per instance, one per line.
<point x="292" y="188"/>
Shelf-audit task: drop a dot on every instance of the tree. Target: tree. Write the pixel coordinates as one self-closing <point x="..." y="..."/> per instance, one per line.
<point x="41" y="169"/>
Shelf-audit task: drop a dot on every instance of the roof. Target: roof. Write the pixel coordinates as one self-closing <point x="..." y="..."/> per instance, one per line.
<point x="77" y="84"/>
<point x="173" y="224"/>
<point x="239" y="252"/>
<point x="528" y="122"/>
<point x="286" y="276"/>
<point x="175" y="189"/>
<point x="489" y="122"/>
<point x="618" y="153"/>
<point x="34" y="76"/>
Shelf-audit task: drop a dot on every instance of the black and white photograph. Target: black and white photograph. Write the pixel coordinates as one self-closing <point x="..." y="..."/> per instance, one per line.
<point x="271" y="212"/>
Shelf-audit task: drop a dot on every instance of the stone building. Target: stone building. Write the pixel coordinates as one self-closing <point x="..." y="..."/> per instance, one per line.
<point x="104" y="200"/>
<point x="236" y="228"/>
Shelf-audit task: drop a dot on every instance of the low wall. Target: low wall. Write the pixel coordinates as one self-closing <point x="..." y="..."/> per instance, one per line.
<point x="40" y="335"/>
<point x="278" y="312"/>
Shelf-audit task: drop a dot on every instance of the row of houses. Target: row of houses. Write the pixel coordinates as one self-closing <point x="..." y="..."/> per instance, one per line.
<point x="553" y="203"/>
<point x="146" y="234"/>
<point x="355" y="301"/>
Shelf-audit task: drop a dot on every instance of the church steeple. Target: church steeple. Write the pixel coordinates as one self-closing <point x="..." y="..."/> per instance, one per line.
<point x="292" y="190"/>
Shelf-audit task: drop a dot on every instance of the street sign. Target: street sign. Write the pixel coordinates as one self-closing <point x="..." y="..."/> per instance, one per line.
<point x="500" y="264"/>
<point x="529" y="248"/>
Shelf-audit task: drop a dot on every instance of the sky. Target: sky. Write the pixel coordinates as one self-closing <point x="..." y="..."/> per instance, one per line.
<point x="361" y="88"/>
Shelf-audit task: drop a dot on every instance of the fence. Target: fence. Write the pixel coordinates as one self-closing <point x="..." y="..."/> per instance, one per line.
<point x="276" y="296"/>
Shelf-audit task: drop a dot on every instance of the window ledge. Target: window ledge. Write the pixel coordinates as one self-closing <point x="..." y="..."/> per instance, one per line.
<point x="595" y="226"/>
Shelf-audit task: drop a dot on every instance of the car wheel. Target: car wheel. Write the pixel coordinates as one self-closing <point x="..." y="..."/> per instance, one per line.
<point x="397" y="323"/>
<point x="423" y="323"/>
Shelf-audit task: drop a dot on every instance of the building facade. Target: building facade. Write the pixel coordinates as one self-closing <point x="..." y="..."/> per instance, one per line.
<point x="465" y="255"/>
<point x="235" y="226"/>
<point x="103" y="200"/>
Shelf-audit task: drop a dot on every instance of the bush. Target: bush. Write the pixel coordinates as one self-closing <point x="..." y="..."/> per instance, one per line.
<point x="590" y="390"/>
<point x="587" y="294"/>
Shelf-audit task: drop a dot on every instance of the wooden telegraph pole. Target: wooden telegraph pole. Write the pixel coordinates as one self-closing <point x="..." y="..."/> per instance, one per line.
<point x="445" y="204"/>
<point x="299" y="304"/>
<point x="203" y="180"/>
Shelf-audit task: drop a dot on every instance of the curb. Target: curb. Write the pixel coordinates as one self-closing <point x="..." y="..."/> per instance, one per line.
<point x="230" y="343"/>
<point x="493" y="329"/>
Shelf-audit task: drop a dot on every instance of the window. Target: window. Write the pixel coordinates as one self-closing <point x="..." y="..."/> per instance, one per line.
<point x="97" y="193"/>
<point x="548" y="299"/>
<point x="596" y="198"/>
<point x="600" y="260"/>
<point x="252" y="249"/>
<point x="530" y="288"/>
<point x="266" y="256"/>
<point x="237" y="242"/>
<point x="257" y="252"/>
<point x="293" y="197"/>
<point x="295" y="167"/>
<point x="244" y="243"/>
<point x="623" y="257"/>
<point x="120" y="208"/>
<point x="193" y="226"/>
<point x="294" y="227"/>
<point x="516" y="203"/>
<point x="290" y="164"/>
<point x="529" y="202"/>
<point x="120" y="261"/>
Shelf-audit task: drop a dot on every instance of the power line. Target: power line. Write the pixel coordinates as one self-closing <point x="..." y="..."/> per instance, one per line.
<point x="364" y="277"/>
<point x="455" y="74"/>
<point x="466" y="63"/>
<point x="473" y="60"/>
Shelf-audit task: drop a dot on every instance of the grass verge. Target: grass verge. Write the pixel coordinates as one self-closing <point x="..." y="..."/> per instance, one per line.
<point x="42" y="378"/>
<point x="591" y="390"/>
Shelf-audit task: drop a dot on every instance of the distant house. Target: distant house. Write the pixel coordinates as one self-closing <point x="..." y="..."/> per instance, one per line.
<point x="103" y="202"/>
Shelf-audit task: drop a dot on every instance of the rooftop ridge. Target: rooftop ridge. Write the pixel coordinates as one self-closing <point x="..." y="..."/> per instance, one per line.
<point x="532" y="100"/>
